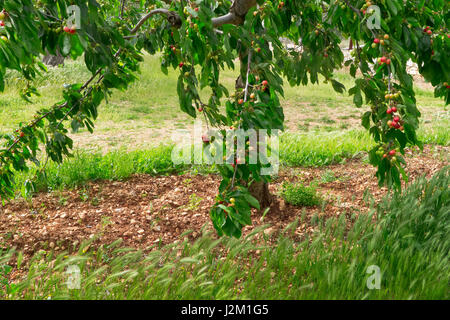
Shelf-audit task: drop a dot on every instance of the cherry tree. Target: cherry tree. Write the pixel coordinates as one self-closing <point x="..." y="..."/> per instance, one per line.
<point x="202" y="38"/>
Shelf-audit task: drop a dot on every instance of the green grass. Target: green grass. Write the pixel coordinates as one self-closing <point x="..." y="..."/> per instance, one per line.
<point x="312" y="149"/>
<point x="408" y="242"/>
<point x="115" y="165"/>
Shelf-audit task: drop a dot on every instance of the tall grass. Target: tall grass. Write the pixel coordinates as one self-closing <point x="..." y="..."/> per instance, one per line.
<point x="312" y="149"/>
<point x="86" y="166"/>
<point x="406" y="236"/>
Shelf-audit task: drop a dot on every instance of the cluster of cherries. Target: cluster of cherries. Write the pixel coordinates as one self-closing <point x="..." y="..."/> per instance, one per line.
<point x="428" y="31"/>
<point x="390" y="153"/>
<point x="263" y="86"/>
<point x="383" y="60"/>
<point x="3" y="16"/>
<point x="364" y="7"/>
<point x="378" y="41"/>
<point x="20" y="133"/>
<point x="396" y="122"/>
<point x="71" y="30"/>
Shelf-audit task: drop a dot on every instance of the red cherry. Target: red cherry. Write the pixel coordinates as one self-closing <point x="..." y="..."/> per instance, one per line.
<point x="429" y="32"/>
<point x="388" y="61"/>
<point x="241" y="101"/>
<point x="205" y="138"/>
<point x="389" y="111"/>
<point x="181" y="64"/>
<point x="265" y="83"/>
<point x="200" y="109"/>
<point x="396" y="119"/>
<point x="66" y="29"/>
<point x="376" y="40"/>
<point x="2" y="24"/>
<point x="383" y="59"/>
<point x="196" y="9"/>
<point x="394" y="109"/>
<point x="73" y="30"/>
<point x="392" y="152"/>
<point x="22" y="134"/>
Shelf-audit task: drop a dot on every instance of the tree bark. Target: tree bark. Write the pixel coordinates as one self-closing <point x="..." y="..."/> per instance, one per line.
<point x="260" y="190"/>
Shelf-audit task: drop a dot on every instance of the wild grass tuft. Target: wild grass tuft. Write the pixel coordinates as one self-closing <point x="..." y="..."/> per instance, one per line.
<point x="299" y="194"/>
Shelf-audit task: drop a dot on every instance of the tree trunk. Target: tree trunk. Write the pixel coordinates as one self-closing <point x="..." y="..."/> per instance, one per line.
<point x="52" y="60"/>
<point x="260" y="190"/>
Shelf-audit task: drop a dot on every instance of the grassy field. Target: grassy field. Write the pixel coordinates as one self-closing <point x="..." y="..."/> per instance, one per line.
<point x="408" y="242"/>
<point x="148" y="112"/>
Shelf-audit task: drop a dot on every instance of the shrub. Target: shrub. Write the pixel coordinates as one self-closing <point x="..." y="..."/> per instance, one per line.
<point x="300" y="195"/>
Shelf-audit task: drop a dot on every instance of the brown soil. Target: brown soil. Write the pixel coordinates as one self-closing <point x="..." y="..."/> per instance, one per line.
<point x="146" y="210"/>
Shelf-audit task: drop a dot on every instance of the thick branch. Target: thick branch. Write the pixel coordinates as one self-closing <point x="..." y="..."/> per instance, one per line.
<point x="236" y="15"/>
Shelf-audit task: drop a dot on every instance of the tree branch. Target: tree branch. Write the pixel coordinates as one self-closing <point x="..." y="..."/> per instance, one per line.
<point x="236" y="15"/>
<point x="172" y="16"/>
